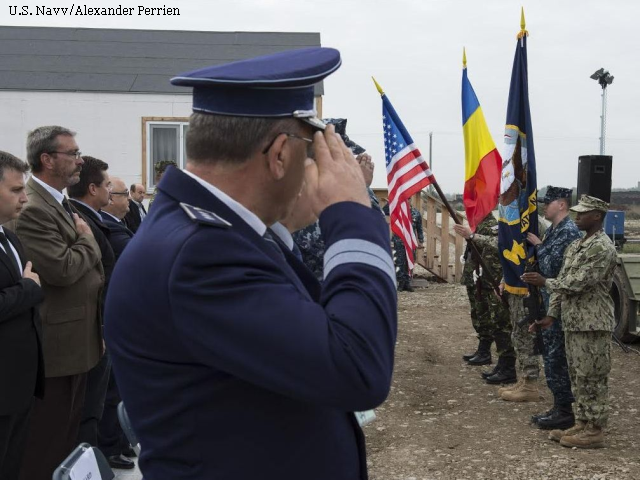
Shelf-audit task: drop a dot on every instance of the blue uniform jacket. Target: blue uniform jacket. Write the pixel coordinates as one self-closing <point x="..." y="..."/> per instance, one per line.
<point x="232" y="362"/>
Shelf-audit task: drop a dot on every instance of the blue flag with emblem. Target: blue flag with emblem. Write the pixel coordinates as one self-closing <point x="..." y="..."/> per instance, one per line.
<point x="518" y="208"/>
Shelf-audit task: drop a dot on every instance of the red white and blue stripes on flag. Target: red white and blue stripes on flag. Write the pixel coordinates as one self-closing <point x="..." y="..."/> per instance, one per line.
<point x="407" y="174"/>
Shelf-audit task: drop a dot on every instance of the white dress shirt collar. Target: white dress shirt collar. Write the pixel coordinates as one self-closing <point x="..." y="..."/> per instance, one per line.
<point x="283" y="234"/>
<point x="115" y="219"/>
<point x="243" y="212"/>
<point x="54" y="193"/>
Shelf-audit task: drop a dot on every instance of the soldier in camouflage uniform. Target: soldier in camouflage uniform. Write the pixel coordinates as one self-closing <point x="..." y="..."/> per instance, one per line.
<point x="549" y="253"/>
<point x="581" y="290"/>
<point x="489" y="316"/>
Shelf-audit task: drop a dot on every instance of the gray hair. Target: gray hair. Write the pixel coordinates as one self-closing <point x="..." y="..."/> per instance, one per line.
<point x="43" y="140"/>
<point x="223" y="138"/>
<point x="11" y="162"/>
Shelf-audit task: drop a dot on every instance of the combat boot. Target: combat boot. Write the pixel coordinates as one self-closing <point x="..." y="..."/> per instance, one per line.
<point x="557" y="435"/>
<point x="493" y="371"/>
<point x="506" y="372"/>
<point x="528" y="392"/>
<point x="589" y="437"/>
<point x="483" y="356"/>
<point x="511" y="388"/>
<point x="469" y="356"/>
<point x="538" y="416"/>
<point x="561" y="419"/>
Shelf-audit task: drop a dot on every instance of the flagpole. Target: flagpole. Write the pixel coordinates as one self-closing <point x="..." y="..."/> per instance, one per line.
<point x="454" y="215"/>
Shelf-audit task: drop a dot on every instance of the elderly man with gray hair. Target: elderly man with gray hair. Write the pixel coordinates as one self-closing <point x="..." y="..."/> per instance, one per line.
<point x="65" y="254"/>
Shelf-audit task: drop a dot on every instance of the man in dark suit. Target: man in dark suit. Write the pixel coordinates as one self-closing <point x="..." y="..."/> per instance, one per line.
<point x="114" y="214"/>
<point x="66" y="255"/>
<point x="231" y="359"/>
<point x="111" y="439"/>
<point x="21" y="365"/>
<point x="136" y="212"/>
<point x="88" y="197"/>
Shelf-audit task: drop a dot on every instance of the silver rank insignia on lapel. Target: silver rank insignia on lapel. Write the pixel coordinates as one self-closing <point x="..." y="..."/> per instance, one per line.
<point x="204" y="217"/>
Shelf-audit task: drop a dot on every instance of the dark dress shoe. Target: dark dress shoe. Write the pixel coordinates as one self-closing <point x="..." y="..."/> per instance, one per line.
<point x="538" y="416"/>
<point x="129" y="453"/>
<point x="120" y="461"/>
<point x="480" y="359"/>
<point x="502" y="377"/>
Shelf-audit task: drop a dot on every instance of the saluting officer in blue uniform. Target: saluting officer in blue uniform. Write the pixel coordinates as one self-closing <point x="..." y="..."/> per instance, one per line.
<point x="232" y="361"/>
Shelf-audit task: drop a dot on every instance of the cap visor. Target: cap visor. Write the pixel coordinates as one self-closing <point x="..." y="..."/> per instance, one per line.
<point x="581" y="209"/>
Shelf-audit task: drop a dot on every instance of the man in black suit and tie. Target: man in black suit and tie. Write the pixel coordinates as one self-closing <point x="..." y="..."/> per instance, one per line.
<point x="136" y="212"/>
<point x="21" y="363"/>
<point x="111" y="439"/>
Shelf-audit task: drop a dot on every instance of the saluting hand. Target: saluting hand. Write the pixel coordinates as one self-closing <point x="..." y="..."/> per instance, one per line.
<point x="336" y="176"/>
<point x="81" y="225"/>
<point x="29" y="274"/>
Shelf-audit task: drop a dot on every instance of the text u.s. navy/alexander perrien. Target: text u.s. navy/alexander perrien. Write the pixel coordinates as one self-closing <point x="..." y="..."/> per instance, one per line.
<point x="81" y="10"/>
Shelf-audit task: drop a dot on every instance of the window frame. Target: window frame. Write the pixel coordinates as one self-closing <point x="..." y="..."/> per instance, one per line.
<point x="147" y="125"/>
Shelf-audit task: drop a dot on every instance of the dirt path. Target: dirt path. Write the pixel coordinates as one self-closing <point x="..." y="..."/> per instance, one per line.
<point x="442" y="421"/>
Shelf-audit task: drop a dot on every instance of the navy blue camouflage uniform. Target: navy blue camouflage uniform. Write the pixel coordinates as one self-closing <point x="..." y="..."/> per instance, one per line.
<point x="311" y="243"/>
<point x="550" y="254"/>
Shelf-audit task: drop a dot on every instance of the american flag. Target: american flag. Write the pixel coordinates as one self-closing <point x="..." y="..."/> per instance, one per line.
<point x="407" y="174"/>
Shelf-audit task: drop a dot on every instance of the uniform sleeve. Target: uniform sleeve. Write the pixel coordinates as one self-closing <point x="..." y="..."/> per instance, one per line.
<point x="239" y="314"/>
<point x="53" y="259"/>
<point x="486" y="241"/>
<point x="591" y="272"/>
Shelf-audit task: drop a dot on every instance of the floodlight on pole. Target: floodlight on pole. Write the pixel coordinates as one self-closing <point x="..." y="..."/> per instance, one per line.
<point x="604" y="78"/>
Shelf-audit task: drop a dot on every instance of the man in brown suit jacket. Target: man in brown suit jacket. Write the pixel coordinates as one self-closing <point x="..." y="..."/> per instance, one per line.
<point x="66" y="256"/>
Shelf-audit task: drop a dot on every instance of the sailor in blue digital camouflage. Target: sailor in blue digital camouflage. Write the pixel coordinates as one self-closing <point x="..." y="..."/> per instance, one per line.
<point x="549" y="253"/>
<point x="581" y="291"/>
<point x="309" y="239"/>
<point x="403" y="276"/>
<point x="489" y="315"/>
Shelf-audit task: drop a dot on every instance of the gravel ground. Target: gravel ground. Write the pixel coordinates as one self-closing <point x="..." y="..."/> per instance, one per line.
<point x="441" y="421"/>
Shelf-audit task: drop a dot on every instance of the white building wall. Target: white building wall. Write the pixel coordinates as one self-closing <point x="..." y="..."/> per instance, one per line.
<point x="108" y="125"/>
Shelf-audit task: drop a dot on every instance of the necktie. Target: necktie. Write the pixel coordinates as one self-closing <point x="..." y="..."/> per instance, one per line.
<point x="269" y="236"/>
<point x="296" y="251"/>
<point x="7" y="248"/>
<point x="67" y="207"/>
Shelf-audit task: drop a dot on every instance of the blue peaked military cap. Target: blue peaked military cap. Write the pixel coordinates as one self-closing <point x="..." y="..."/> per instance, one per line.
<point x="278" y="85"/>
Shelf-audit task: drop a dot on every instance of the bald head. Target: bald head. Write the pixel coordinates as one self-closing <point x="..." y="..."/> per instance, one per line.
<point x="119" y="205"/>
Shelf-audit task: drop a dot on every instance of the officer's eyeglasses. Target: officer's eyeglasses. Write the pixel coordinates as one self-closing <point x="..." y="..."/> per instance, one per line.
<point x="291" y="135"/>
<point x="121" y="193"/>
<point x="77" y="154"/>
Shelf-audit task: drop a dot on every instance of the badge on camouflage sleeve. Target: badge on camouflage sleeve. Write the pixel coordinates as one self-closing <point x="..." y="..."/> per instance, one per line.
<point x="204" y="217"/>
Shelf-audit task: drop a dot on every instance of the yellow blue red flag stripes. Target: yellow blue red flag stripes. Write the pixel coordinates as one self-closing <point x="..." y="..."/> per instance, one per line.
<point x="407" y="174"/>
<point x="482" y="160"/>
<point x="518" y="208"/>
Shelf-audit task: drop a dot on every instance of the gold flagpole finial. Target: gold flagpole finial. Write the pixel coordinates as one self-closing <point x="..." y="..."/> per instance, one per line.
<point x="464" y="57"/>
<point x="378" y="86"/>
<point x="523" y="32"/>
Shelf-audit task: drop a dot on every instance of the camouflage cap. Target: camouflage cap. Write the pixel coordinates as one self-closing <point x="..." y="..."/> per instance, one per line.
<point x="587" y="204"/>
<point x="341" y="129"/>
<point x="554" y="193"/>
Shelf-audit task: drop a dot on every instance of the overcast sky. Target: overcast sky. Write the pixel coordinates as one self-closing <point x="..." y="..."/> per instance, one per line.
<point x="414" y="49"/>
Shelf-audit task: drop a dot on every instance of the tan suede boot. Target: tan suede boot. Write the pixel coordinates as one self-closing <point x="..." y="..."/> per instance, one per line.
<point x="589" y="437"/>
<point x="557" y="435"/>
<point x="511" y="388"/>
<point x="528" y="392"/>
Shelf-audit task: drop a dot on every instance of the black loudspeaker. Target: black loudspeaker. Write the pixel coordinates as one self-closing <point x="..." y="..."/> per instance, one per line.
<point x="594" y="176"/>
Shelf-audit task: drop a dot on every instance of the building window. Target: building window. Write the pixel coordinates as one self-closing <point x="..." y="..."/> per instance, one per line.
<point x="164" y="141"/>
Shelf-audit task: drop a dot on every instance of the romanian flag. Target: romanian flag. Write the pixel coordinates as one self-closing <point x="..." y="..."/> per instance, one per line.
<point x="482" y="160"/>
<point x="518" y="208"/>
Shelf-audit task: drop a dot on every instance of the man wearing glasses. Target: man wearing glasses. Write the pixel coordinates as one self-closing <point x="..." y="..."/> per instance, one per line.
<point x="231" y="358"/>
<point x="66" y="255"/>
